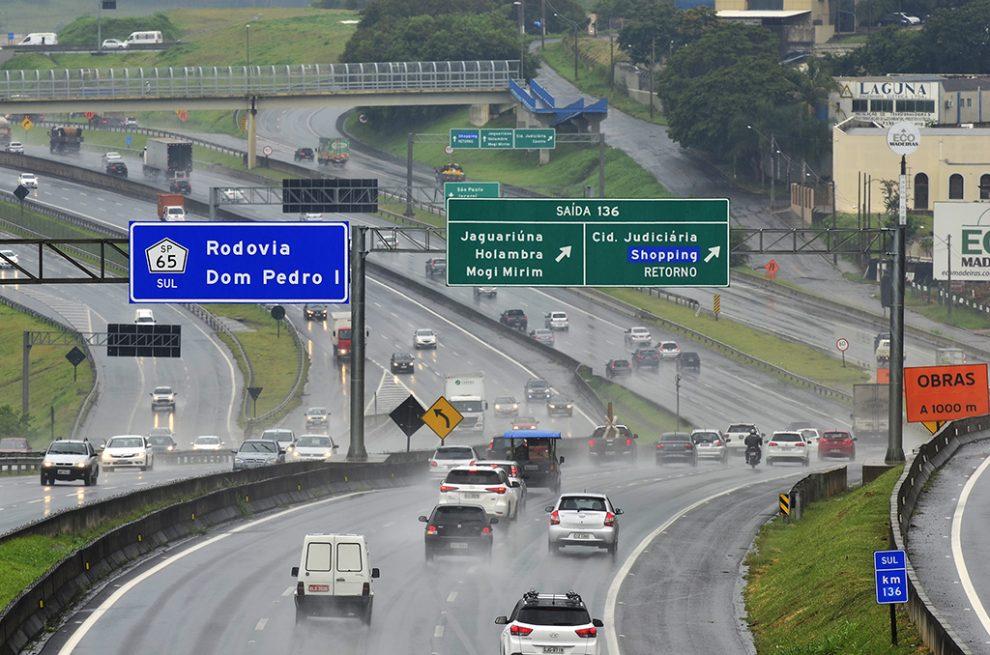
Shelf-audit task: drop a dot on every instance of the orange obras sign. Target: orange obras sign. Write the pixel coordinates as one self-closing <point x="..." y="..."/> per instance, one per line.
<point x="943" y="393"/>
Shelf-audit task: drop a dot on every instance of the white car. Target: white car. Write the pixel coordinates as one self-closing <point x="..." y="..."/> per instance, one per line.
<point x="28" y="180"/>
<point x="111" y="156"/>
<point x="638" y="335"/>
<point x="491" y="292"/>
<point x="735" y="437"/>
<point x="208" y="442"/>
<point x="312" y="216"/>
<point x="130" y="121"/>
<point x="163" y="398"/>
<point x="285" y="438"/>
<point x="425" y="338"/>
<point x="556" y="321"/>
<point x="549" y="623"/>
<point x="313" y="448"/>
<point x="232" y="195"/>
<point x="15" y="147"/>
<point x="583" y="519"/>
<point x="127" y="451"/>
<point x="448" y="457"/>
<point x="784" y="446"/>
<point x="710" y="444"/>
<point x="12" y="256"/>
<point x="811" y="436"/>
<point x="514" y="471"/>
<point x="174" y="213"/>
<point x="334" y="575"/>
<point x="668" y="350"/>
<point x="113" y="44"/>
<point x="480" y="485"/>
<point x="144" y="317"/>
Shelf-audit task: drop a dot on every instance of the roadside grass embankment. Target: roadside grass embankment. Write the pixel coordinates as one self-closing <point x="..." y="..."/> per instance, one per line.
<point x="810" y="588"/>
<point x="572" y="167"/>
<point x="643" y="418"/>
<point x="794" y="357"/>
<point x="593" y="75"/>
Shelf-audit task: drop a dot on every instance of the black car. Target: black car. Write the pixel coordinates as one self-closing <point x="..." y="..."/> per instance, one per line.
<point x="617" y="367"/>
<point x="458" y="530"/>
<point x="535" y="451"/>
<point x="619" y="442"/>
<point x="315" y="312"/>
<point x="646" y="358"/>
<point x="689" y="363"/>
<point x="436" y="267"/>
<point x="117" y="169"/>
<point x="560" y="406"/>
<point x="514" y="318"/>
<point x="676" y="447"/>
<point x="303" y="154"/>
<point x="403" y="363"/>
<point x="537" y="389"/>
<point x="162" y="443"/>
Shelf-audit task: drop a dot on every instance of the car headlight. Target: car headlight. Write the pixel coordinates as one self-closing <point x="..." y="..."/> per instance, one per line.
<point x="171" y="448"/>
<point x="48" y="463"/>
<point x="81" y="465"/>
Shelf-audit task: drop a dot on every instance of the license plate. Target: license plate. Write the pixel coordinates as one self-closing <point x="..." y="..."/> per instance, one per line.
<point x="458" y="545"/>
<point x="319" y="587"/>
<point x="472" y="496"/>
<point x="64" y="471"/>
<point x="583" y="535"/>
<point x="532" y="467"/>
<point x="553" y="649"/>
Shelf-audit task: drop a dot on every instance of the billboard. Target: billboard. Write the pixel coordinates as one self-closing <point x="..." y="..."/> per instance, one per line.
<point x="945" y="393"/>
<point x="965" y="226"/>
<point x="887" y="101"/>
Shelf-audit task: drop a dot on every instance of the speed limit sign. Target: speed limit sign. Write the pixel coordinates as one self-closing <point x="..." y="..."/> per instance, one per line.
<point x="267" y="150"/>
<point x="842" y="344"/>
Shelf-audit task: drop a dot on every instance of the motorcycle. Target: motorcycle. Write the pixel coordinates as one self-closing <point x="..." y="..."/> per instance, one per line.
<point x="753" y="456"/>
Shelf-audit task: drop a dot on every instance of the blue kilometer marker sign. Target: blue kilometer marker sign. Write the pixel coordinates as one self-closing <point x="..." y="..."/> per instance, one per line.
<point x="240" y="262"/>
<point x="890" y="568"/>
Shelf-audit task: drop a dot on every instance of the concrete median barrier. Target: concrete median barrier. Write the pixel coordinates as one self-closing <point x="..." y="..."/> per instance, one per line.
<point x="201" y="503"/>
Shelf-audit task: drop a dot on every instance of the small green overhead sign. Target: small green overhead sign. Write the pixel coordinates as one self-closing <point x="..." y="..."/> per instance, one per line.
<point x="503" y="138"/>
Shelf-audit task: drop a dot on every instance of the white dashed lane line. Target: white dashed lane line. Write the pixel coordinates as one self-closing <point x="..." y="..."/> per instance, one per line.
<point x="261" y="625"/>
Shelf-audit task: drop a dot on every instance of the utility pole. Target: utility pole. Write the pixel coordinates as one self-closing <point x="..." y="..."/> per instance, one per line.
<point x="26" y="375"/>
<point x="948" y="277"/>
<point x="802" y="191"/>
<point x="653" y="63"/>
<point x="99" y="26"/>
<point x="677" y="388"/>
<point x="835" y="220"/>
<point x="543" y="24"/>
<point x="409" y="173"/>
<point x="601" y="163"/>
<point x="575" y="52"/>
<point x="611" y="60"/>
<point x="895" y="436"/>
<point x="356" y="450"/>
<point x="773" y="168"/>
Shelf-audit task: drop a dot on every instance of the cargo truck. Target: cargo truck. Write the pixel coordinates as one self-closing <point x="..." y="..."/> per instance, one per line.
<point x="466" y="393"/>
<point x="65" y="138"/>
<point x="949" y="356"/>
<point x="5" y="133"/>
<point x="870" y="410"/>
<point x="341" y="336"/>
<point x="333" y="152"/>
<point x="171" y="207"/>
<point x="171" y="159"/>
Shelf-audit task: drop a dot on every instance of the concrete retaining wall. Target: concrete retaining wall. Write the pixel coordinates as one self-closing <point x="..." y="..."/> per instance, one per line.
<point x="815" y="487"/>
<point x="26" y="617"/>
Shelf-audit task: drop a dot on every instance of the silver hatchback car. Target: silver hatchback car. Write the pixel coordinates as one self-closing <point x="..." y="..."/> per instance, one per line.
<point x="583" y="519"/>
<point x="709" y="443"/>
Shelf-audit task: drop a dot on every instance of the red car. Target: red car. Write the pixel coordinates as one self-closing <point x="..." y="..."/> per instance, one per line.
<point x="837" y="443"/>
<point x="524" y="423"/>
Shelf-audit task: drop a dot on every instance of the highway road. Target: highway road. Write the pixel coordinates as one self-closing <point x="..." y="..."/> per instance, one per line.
<point x="444" y="608"/>
<point x="949" y="543"/>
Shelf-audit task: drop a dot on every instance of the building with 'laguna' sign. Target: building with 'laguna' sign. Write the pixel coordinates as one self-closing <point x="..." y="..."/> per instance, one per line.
<point x="921" y="99"/>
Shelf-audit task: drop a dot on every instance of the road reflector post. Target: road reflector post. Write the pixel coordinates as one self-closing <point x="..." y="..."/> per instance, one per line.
<point x="716" y="304"/>
<point x="784" y="502"/>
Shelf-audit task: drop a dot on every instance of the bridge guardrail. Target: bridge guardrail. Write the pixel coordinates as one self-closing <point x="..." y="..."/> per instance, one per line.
<point x="936" y="631"/>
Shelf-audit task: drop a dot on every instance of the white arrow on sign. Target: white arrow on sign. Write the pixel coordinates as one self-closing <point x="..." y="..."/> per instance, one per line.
<point x="564" y="252"/>
<point x="713" y="253"/>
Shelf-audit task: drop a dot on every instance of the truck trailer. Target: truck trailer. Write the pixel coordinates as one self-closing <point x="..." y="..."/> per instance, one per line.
<point x="171" y="159"/>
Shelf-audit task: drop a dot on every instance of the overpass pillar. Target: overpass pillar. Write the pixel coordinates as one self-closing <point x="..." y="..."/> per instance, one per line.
<point x="479" y="115"/>
<point x="252" y="135"/>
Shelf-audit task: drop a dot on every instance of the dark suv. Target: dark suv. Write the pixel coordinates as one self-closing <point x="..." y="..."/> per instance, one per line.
<point x="646" y="358"/>
<point x="436" y="267"/>
<point x="458" y="530"/>
<point x="514" y="318"/>
<point x="619" y="442"/>
<point x="537" y="389"/>
<point x="117" y="169"/>
<point x="315" y="312"/>
<point x="617" y="367"/>
<point x="303" y="154"/>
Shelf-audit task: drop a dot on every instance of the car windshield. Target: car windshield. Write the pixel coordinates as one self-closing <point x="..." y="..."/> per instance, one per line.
<point x="208" y="440"/>
<point x="741" y="427"/>
<point x="668" y="346"/>
<point x="620" y="429"/>
<point x="317" y="411"/>
<point x="620" y="363"/>
<point x="67" y="448"/>
<point x="537" y="384"/>
<point x="553" y="616"/>
<point x="161" y="432"/>
<point x="836" y="435"/>
<point x="126" y="442"/>
<point x="514" y="312"/>
<point x="582" y="503"/>
<point x="705" y="437"/>
<point x="314" y="442"/>
<point x="481" y="476"/>
<point x="160" y="441"/>
<point x="163" y="390"/>
<point x="505" y="400"/>
<point x="459" y="513"/>
<point x="424" y="333"/>
<point x="277" y="435"/>
<point x="809" y="433"/>
<point x="345" y="333"/>
<point x="787" y="436"/>
<point x="257" y="447"/>
<point x="470" y="406"/>
<point x="402" y="357"/>
<point x="453" y="452"/>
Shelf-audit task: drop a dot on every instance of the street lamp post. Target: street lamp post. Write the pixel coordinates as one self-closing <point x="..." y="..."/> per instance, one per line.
<point x="247" y="43"/>
<point x="574" y="27"/>
<point x="521" y="7"/>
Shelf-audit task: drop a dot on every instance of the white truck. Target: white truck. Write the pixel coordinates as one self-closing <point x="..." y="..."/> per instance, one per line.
<point x="466" y="392"/>
<point x="341" y="336"/>
<point x="171" y="158"/>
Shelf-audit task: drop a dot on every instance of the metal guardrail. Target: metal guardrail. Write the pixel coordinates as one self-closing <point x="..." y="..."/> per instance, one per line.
<point x="936" y="632"/>
<point x="150" y="132"/>
<point x="193" y="82"/>
<point x="19" y="465"/>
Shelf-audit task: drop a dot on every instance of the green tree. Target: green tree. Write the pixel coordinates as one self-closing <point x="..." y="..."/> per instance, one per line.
<point x="12" y="423"/>
<point x="379" y="11"/>
<point x="650" y="32"/>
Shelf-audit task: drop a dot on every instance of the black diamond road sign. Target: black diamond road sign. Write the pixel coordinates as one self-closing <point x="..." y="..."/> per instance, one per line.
<point x="75" y="356"/>
<point x="408" y="415"/>
<point x="21" y="192"/>
<point x="254" y="392"/>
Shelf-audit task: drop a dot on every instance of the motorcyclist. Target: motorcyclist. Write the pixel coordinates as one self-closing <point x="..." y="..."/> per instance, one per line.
<point x="754" y="443"/>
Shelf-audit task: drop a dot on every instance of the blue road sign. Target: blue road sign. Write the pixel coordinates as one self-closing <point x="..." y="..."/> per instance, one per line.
<point x="890" y="569"/>
<point x="128" y="140"/>
<point x="240" y="262"/>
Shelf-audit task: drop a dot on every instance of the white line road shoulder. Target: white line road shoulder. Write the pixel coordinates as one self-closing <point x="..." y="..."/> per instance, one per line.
<point x="957" y="552"/>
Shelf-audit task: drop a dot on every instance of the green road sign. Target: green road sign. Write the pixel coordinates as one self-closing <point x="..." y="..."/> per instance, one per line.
<point x="579" y="242"/>
<point x="536" y="139"/>
<point x="497" y="139"/>
<point x="465" y="138"/>
<point x="472" y="190"/>
<point x="503" y="138"/>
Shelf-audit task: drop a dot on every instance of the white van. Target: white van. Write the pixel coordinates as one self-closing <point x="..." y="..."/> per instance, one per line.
<point x="40" y="38"/>
<point x="144" y="38"/>
<point x="334" y="574"/>
<point x="144" y="317"/>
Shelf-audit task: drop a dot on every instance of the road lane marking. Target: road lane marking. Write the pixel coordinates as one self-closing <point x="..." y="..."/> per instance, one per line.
<point x="77" y="636"/>
<point x="438" y="632"/>
<point x="288" y="592"/>
<point x="620" y="576"/>
<point x="261" y="625"/>
<point x="451" y="597"/>
<point x="957" y="552"/>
